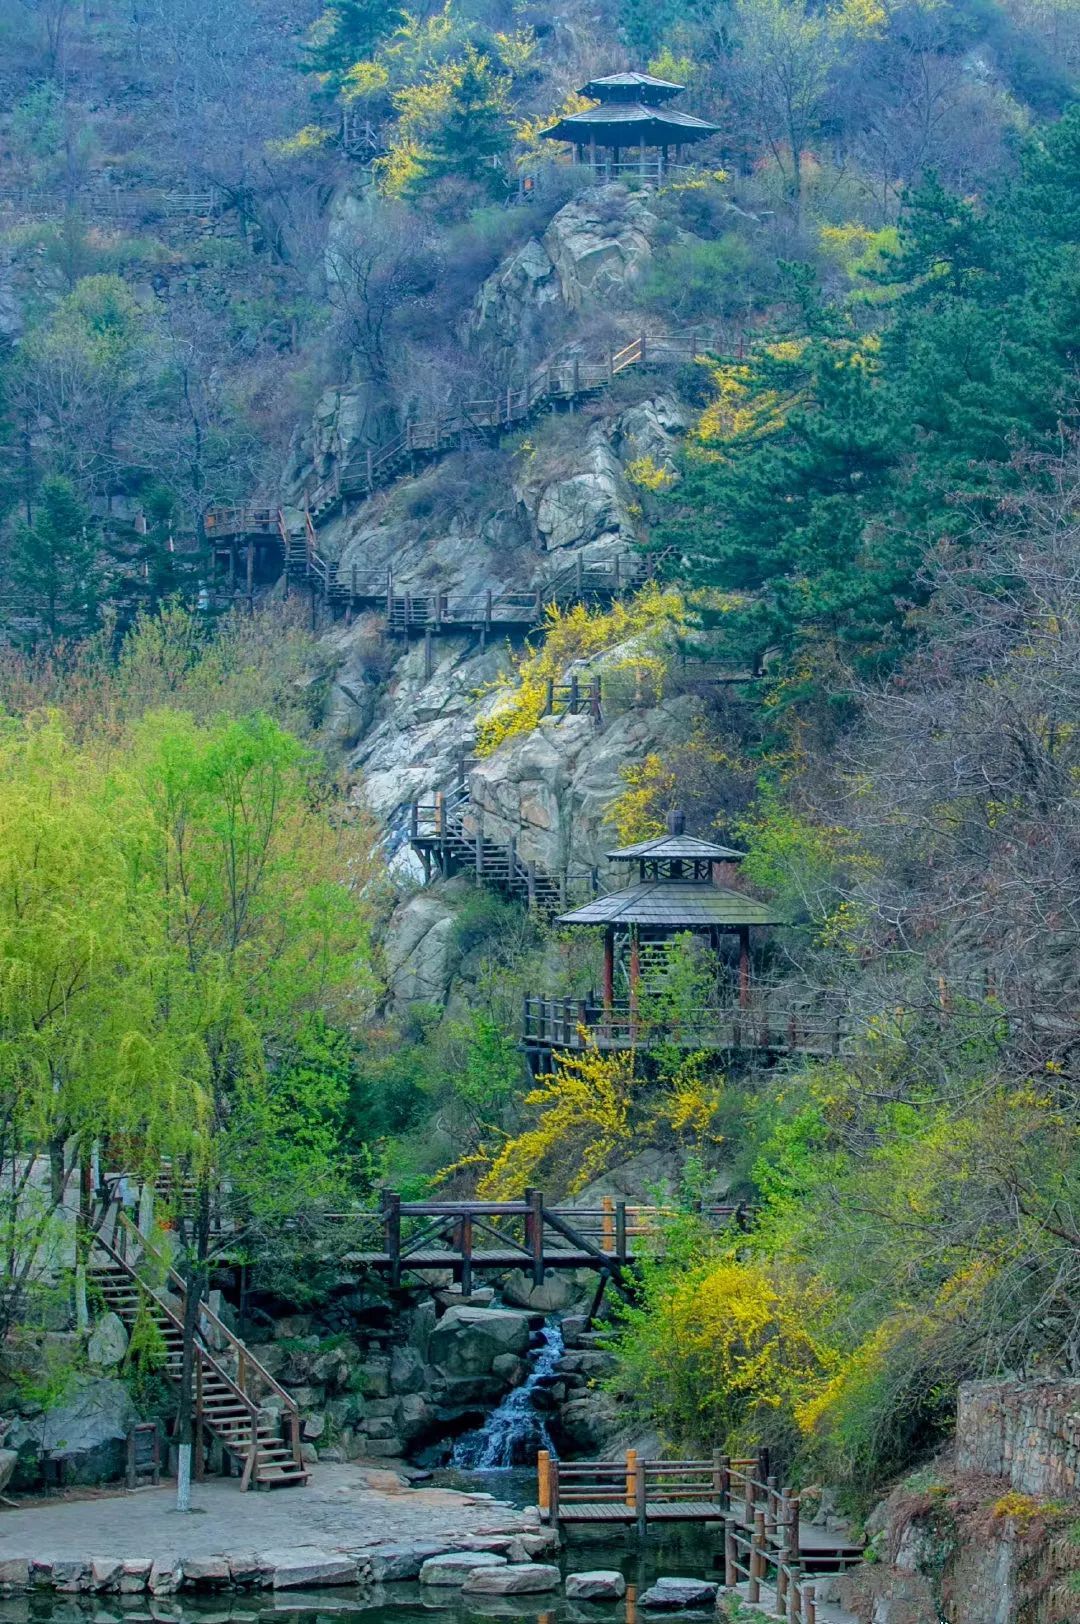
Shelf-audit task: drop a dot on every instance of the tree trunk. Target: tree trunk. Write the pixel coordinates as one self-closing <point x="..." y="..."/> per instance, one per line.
<point x="195" y="1279"/>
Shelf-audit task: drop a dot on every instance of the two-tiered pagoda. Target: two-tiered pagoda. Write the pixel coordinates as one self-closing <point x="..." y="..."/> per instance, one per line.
<point x="632" y="132"/>
<point x="681" y="885"/>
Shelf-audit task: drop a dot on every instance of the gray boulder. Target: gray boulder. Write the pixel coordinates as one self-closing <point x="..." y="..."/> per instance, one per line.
<point x="466" y="1341"/>
<point x="304" y="1565"/>
<point x="559" y="1291"/>
<point x="87" y="1430"/>
<point x="418" y="948"/>
<point x="600" y="1584"/>
<point x="515" y="1579"/>
<point x="9" y="1459"/>
<point x="108" y="1342"/>
<point x="452" y="1570"/>
<point x="588" y="1423"/>
<point x="397" y="1562"/>
<point x="670" y="1595"/>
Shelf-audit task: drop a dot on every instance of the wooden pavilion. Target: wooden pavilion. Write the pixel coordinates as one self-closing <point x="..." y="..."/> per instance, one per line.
<point x="632" y="131"/>
<point x="682" y="885"/>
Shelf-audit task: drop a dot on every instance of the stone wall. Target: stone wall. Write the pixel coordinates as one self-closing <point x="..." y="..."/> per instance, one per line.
<point x="1025" y="1432"/>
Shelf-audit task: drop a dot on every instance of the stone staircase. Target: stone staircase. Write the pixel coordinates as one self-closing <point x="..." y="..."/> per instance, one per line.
<point x="237" y="1404"/>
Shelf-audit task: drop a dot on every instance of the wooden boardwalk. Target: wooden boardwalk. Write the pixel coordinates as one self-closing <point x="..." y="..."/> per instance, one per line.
<point x="769" y="1552"/>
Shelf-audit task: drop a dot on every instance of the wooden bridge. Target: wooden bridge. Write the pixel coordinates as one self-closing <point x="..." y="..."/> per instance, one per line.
<point x="769" y="1551"/>
<point x="463" y="1236"/>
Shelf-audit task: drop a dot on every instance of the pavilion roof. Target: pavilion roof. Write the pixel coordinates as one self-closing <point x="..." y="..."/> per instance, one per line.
<point x="676" y="905"/>
<point x="621" y="86"/>
<point x="676" y="848"/>
<point x="631" y="121"/>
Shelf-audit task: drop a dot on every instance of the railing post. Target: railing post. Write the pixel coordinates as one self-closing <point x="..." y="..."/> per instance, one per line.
<point x="549" y="695"/>
<point x="429" y="655"/>
<point x="731" y="1556"/>
<point x="530" y="883"/>
<point x="595" y="706"/>
<point x="809" y="1602"/>
<point x="414" y="821"/>
<point x="574" y="685"/>
<point x="440" y="812"/>
<point x="757" y="1558"/>
<point x="543" y="1484"/>
<point x="620" y="1231"/>
<point x="466" y="1254"/>
<point x="534" y="1232"/>
<point x="631" y="1478"/>
<point x="641" y="1505"/>
<point x="607" y="1224"/>
<point x="478" y="854"/>
<point x="391" y="1205"/>
<point x="794" y="1593"/>
<point x="719" y="1472"/>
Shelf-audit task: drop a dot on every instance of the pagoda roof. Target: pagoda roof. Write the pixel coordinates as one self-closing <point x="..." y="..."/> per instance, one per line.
<point x="675" y="904"/>
<point x="645" y="86"/>
<point x="657" y="125"/>
<point x="676" y="848"/>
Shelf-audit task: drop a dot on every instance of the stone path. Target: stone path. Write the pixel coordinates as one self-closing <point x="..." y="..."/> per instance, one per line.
<point x="346" y="1508"/>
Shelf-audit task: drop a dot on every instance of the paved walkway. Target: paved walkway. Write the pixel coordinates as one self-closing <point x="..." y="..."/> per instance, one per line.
<point x="345" y="1508"/>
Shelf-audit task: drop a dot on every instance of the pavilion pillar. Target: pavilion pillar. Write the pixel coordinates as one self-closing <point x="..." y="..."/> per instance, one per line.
<point x="643" y="174"/>
<point x="744" y="966"/>
<point x="635" y="980"/>
<point x="609" y="970"/>
<point x="592" y="152"/>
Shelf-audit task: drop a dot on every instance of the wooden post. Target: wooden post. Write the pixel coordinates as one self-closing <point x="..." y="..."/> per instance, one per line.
<point x="782" y="1576"/>
<point x="553" y="1494"/>
<point x="466" y="1254"/>
<point x="549" y="696"/>
<point x="757" y="1558"/>
<point x="440" y="812"/>
<point x="429" y="655"/>
<point x="607" y="1224"/>
<point x="577" y="375"/>
<point x="744" y="966"/>
<point x="534" y="1233"/>
<point x="440" y="604"/>
<point x="809" y="1602"/>
<point x="731" y="1556"/>
<point x="595" y="707"/>
<point x="641" y="1507"/>
<point x="543" y="1482"/>
<point x="718" y="1460"/>
<point x="635" y="978"/>
<point x="391" y="1205"/>
<point x="631" y="1478"/>
<point x="620" y="1231"/>
<point x="414" y="821"/>
<point x="794" y="1506"/>
<point x="478" y="854"/>
<point x="574" y="695"/>
<point x="609" y="971"/>
<point x="794" y="1593"/>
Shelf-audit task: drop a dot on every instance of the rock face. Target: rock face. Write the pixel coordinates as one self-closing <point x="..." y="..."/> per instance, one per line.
<point x="418" y="946"/>
<point x="593" y="252"/>
<point x="108" y="1342"/>
<point x="87" y="1430"/>
<point x="466" y="1341"/>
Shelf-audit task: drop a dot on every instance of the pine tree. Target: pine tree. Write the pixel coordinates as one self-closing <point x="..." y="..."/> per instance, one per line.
<point x="53" y="563"/>
<point x="349" y="32"/>
<point x="474" y="136"/>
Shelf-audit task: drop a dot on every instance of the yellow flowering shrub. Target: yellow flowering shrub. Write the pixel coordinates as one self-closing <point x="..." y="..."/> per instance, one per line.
<point x="580" y="633"/>
<point x="722" y="1348"/>
<point x="312" y="138"/>
<point x="583" y="1122"/>
<point x="364" y="79"/>
<point x="648" y="475"/>
<point x="529" y="131"/>
<point x="639" y="812"/>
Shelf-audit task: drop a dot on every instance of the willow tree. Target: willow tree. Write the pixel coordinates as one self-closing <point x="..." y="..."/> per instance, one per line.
<point x="77" y="1012"/>
<point x="264" y="907"/>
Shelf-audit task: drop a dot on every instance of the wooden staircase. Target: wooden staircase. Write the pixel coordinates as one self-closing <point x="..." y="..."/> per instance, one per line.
<point x="440" y="835"/>
<point x="232" y="1391"/>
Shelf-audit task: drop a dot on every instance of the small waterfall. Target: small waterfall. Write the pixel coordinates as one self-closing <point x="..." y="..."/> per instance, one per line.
<point x="515" y="1431"/>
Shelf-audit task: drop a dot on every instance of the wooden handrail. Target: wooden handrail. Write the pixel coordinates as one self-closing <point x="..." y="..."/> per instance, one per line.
<point x="240" y="1348"/>
<point x="203" y="1352"/>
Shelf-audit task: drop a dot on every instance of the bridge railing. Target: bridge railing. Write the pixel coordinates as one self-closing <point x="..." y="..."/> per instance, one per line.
<point x="575" y="1023"/>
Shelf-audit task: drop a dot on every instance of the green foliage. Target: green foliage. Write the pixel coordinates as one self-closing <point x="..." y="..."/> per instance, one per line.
<point x="848" y="454"/>
<point x="54" y="563"/>
<point x="348" y="33"/>
<point x="697" y="280"/>
<point x="473" y="134"/>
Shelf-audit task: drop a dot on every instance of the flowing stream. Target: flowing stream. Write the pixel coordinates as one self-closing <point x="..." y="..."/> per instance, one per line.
<point x="516" y="1430"/>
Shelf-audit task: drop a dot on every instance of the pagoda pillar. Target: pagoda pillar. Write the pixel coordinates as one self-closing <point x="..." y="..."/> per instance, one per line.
<point x="744" y="966"/>
<point x="635" y="980"/>
<point x="609" y="970"/>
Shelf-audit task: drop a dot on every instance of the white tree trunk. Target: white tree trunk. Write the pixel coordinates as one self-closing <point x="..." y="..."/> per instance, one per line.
<point x="183" y="1478"/>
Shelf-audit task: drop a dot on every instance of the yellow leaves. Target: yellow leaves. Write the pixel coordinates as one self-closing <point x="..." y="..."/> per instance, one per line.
<point x="529" y="131"/>
<point x="421" y="106"/>
<point x="679" y="70"/>
<point x="583" y="1109"/>
<point x="648" y="475"/>
<point x="399" y="168"/>
<point x="575" y="634"/>
<point x="312" y="138"/>
<point x="364" y="79"/>
<point x="517" y="50"/>
<point x="639" y="812"/>
<point x="1023" y="1508"/>
<point x="859" y="19"/>
<point x="738" y="411"/>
